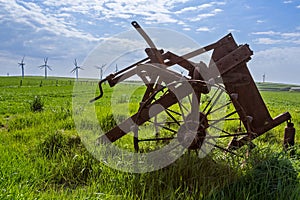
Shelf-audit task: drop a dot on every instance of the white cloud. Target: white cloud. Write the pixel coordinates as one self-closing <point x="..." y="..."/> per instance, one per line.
<point x="287" y="1"/>
<point x="186" y="29"/>
<point x="39" y="19"/>
<point x="203" y="29"/>
<point x="206" y="15"/>
<point x="59" y="17"/>
<point x="161" y="18"/>
<point x="233" y="30"/>
<point x="298" y="6"/>
<point x="296" y="41"/>
<point x="122" y="9"/>
<point x="266" y="33"/>
<point x="266" y="41"/>
<point x="278" y="37"/>
<point x="260" y="21"/>
<point x="291" y="34"/>
<point x="186" y="9"/>
<point x="199" y="7"/>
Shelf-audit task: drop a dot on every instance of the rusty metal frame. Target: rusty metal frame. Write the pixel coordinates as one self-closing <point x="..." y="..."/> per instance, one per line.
<point x="229" y="58"/>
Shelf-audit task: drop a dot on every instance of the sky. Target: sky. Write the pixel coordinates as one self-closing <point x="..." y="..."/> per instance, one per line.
<point x="81" y="29"/>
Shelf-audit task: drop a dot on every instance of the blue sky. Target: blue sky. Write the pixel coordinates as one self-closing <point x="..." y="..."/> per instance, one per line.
<point x="69" y="29"/>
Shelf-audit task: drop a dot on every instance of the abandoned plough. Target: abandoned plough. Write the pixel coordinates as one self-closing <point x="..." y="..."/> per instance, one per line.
<point x="190" y="103"/>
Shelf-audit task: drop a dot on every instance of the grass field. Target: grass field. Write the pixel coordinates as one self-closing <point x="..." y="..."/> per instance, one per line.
<point x="42" y="156"/>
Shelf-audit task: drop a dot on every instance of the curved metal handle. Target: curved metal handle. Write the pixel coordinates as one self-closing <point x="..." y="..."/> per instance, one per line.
<point x="143" y="34"/>
<point x="101" y="91"/>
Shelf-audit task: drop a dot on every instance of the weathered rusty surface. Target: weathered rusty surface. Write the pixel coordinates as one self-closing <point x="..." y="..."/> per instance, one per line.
<point x="238" y="80"/>
<point x="289" y="136"/>
<point x="230" y="60"/>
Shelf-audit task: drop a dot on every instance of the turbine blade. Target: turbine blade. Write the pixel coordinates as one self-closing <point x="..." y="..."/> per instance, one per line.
<point x="75" y="62"/>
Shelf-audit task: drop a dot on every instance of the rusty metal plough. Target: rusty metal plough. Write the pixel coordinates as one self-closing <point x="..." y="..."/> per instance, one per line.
<point x="191" y="103"/>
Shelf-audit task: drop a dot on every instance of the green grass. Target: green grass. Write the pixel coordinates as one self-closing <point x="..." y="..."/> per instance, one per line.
<point x="268" y="86"/>
<point x="42" y="156"/>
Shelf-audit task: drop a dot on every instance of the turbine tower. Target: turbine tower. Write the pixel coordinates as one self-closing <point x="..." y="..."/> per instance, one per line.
<point x="45" y="66"/>
<point x="76" y="68"/>
<point x="101" y="71"/>
<point x="22" y="64"/>
<point x="116" y="69"/>
<point x="264" y="78"/>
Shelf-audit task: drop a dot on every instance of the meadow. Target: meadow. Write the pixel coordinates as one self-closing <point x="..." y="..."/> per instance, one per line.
<point x="43" y="157"/>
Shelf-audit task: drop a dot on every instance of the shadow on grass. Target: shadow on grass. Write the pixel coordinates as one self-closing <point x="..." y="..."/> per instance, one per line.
<point x="266" y="175"/>
<point x="188" y="178"/>
<point x="194" y="178"/>
<point x="272" y="178"/>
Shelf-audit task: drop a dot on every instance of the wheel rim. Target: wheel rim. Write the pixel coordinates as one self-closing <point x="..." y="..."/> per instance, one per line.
<point x="210" y="131"/>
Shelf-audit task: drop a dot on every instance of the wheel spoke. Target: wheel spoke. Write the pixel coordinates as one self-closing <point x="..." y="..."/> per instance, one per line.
<point x="227" y="136"/>
<point x="177" y="117"/>
<point x="177" y="113"/>
<point x="183" y="106"/>
<point x="156" y="139"/>
<point x="223" y="118"/>
<point x="219" y="108"/>
<point x="164" y="127"/>
<point x="172" y="117"/>
<point x="217" y="128"/>
<point x="227" y="119"/>
<point x="219" y="147"/>
<point x="215" y="102"/>
<point x="209" y="102"/>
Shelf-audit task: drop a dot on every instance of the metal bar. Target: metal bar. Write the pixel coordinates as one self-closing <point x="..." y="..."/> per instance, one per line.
<point x="142" y="116"/>
<point x="217" y="146"/>
<point x="169" y="129"/>
<point x="214" y="103"/>
<point x="234" y="58"/>
<point x="177" y="113"/>
<point x="169" y="114"/>
<point x="220" y="129"/>
<point x="220" y="107"/>
<point x="209" y="102"/>
<point x="157" y="139"/>
<point x="143" y="34"/>
<point x="131" y="66"/>
<point x="228" y="115"/>
<point x="275" y="122"/>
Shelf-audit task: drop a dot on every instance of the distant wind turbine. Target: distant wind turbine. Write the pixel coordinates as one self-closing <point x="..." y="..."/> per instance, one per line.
<point x="76" y="68"/>
<point x="101" y="71"/>
<point x="45" y="66"/>
<point x="116" y="68"/>
<point x="22" y="64"/>
<point x="264" y="77"/>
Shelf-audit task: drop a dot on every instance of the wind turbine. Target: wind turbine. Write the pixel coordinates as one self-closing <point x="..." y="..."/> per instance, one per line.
<point x="45" y="66"/>
<point x="101" y="71"/>
<point x="116" y="68"/>
<point x="76" y="69"/>
<point x="22" y="64"/>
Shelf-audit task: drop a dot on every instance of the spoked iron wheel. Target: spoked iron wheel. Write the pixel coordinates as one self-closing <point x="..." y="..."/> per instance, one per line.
<point x="212" y="123"/>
